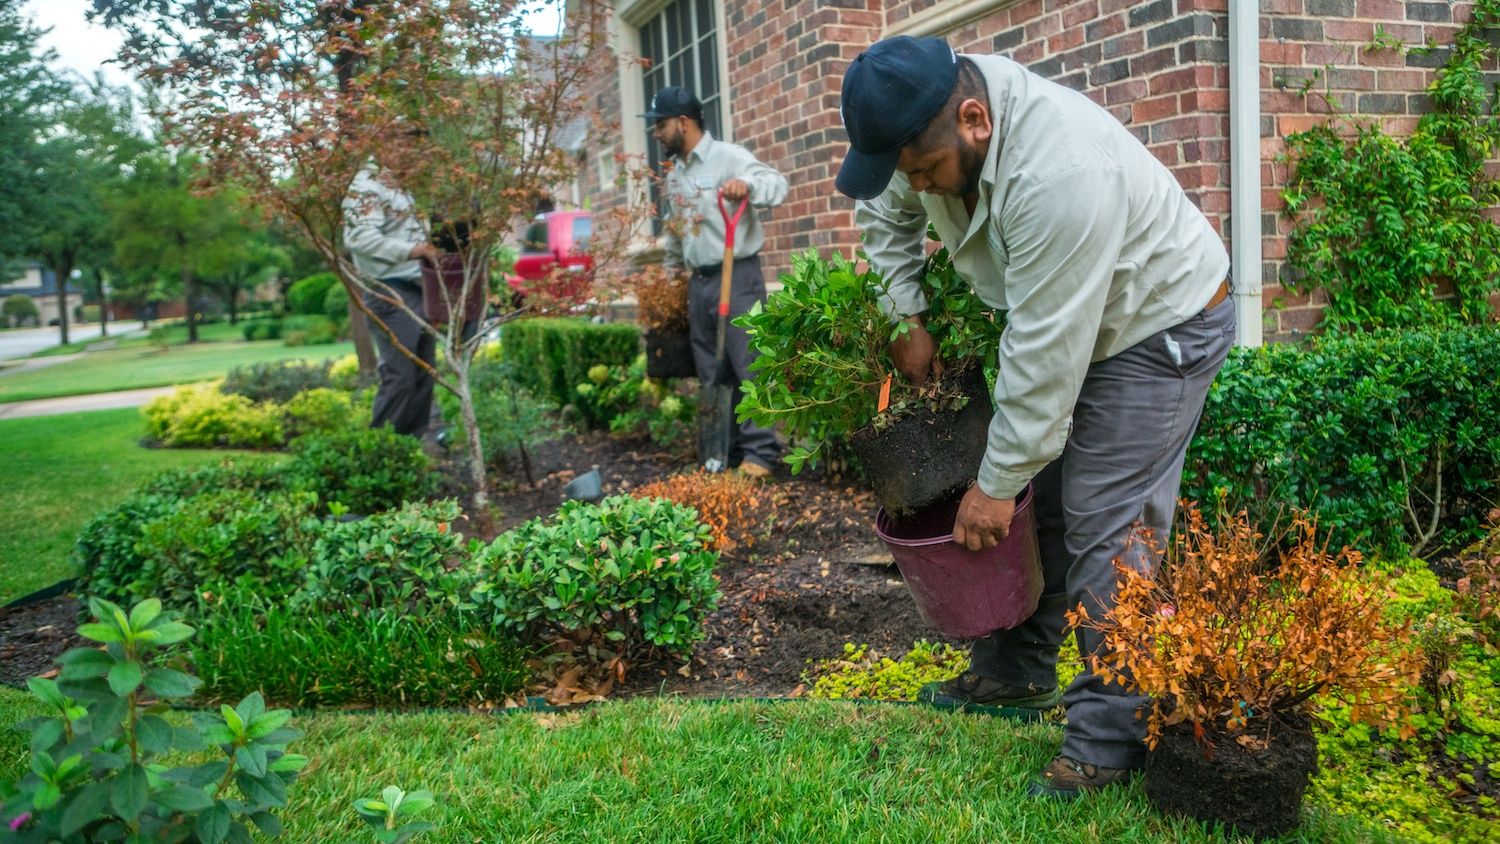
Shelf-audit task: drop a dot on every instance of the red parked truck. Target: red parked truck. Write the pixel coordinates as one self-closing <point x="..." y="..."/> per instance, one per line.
<point x="554" y="259"/>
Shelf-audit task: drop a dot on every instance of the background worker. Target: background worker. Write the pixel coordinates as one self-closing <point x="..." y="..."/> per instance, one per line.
<point x="700" y="167"/>
<point x="1117" y="320"/>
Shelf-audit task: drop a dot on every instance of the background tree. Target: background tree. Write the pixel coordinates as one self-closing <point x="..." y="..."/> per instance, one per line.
<point x="262" y="99"/>
<point x="241" y="258"/>
<point x="28" y="90"/>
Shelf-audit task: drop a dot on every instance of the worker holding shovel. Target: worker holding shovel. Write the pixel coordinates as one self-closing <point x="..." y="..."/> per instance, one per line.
<point x="717" y="192"/>
<point x="1115" y="289"/>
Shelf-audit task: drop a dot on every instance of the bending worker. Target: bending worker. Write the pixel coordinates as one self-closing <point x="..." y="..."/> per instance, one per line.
<point x="701" y="168"/>
<point x="1118" y="318"/>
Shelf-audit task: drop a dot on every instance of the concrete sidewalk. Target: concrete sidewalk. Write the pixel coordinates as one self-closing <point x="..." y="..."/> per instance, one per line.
<point x="77" y="404"/>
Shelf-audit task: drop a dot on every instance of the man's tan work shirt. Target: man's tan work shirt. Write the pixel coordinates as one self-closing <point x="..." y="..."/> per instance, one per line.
<point x="1080" y="234"/>
<point x="696" y="235"/>
<point x="381" y="228"/>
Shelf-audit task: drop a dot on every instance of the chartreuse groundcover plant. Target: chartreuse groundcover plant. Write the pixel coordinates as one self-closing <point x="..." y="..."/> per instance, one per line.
<point x="99" y="767"/>
<point x="822" y="342"/>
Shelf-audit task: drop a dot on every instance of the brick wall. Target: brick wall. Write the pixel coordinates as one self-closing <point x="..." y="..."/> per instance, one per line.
<point x="1160" y="67"/>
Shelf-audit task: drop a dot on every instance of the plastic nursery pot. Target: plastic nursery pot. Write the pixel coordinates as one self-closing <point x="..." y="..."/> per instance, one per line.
<point x="923" y="457"/>
<point x="449" y="272"/>
<point x="1257" y="790"/>
<point x="669" y="354"/>
<point x="961" y="593"/>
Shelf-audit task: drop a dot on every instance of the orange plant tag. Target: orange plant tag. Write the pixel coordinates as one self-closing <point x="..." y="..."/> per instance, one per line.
<point x="885" y="396"/>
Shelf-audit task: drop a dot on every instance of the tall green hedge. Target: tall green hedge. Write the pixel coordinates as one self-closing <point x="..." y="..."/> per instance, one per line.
<point x="552" y="355"/>
<point x="1391" y="438"/>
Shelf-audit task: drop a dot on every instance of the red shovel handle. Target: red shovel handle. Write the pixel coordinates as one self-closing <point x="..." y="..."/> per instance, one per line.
<point x="728" y="270"/>
<point x="731" y="221"/>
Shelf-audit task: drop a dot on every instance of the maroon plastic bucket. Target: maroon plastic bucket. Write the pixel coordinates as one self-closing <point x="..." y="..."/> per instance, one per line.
<point x="450" y="273"/>
<point x="961" y="593"/>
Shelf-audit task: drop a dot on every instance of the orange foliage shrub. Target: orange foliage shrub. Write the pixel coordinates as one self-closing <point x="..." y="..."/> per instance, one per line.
<point x="728" y="502"/>
<point x="1223" y="641"/>
<point x="662" y="298"/>
<point x="1479" y="596"/>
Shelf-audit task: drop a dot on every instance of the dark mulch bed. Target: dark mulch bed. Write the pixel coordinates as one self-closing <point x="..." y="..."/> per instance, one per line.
<point x="816" y="578"/>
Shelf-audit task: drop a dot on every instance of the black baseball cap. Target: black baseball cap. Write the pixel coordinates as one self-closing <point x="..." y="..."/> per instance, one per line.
<point x="673" y="101"/>
<point x="891" y="92"/>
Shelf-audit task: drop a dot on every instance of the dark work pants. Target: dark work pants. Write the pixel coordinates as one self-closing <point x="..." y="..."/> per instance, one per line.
<point x="1121" y="468"/>
<point x="751" y="441"/>
<point x="404" y="398"/>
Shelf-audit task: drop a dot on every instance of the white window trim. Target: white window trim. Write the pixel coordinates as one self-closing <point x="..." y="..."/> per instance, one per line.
<point x="945" y="16"/>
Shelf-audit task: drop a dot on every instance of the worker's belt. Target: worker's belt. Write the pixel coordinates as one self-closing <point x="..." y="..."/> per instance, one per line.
<point x="1219" y="295"/>
<point x="713" y="270"/>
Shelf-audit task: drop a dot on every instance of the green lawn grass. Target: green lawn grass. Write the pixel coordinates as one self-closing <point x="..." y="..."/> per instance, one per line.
<point x="664" y="771"/>
<point x="60" y="471"/>
<point x="137" y="362"/>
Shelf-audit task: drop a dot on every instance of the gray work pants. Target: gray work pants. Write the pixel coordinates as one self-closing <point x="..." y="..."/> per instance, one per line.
<point x="1121" y="468"/>
<point x="403" y="400"/>
<point x="747" y="286"/>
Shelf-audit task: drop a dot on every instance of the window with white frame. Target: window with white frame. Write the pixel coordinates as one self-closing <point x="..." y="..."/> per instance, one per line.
<point x="681" y="44"/>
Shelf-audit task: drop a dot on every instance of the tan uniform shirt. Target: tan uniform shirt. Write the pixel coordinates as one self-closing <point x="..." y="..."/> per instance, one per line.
<point x="697" y="239"/>
<point x="1080" y="234"/>
<point x="380" y="229"/>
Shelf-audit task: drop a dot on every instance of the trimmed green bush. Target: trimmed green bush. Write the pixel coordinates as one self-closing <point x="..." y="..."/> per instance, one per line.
<point x="309" y="330"/>
<point x="194" y="417"/>
<point x="262" y="329"/>
<point x="1392" y="439"/>
<point x="232" y="536"/>
<point x="307" y="295"/>
<point x="298" y="658"/>
<point x="336" y="303"/>
<point x="553" y="355"/>
<point x="277" y="381"/>
<point x="19" y="310"/>
<point x="400" y="561"/>
<point x="108" y="554"/>
<point x="365" y="471"/>
<point x="322" y="411"/>
<point x="637" y="571"/>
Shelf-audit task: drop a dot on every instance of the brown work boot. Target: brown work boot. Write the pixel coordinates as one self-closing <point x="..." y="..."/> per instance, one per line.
<point x="751" y="469"/>
<point x="1066" y="778"/>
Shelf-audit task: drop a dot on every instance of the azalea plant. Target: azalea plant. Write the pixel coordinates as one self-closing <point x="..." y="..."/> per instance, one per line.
<point x="823" y="352"/>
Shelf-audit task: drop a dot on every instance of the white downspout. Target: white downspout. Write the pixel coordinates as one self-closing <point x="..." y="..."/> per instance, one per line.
<point x="1244" y="167"/>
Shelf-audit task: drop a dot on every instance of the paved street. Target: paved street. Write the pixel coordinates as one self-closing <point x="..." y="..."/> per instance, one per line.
<point x="25" y="341"/>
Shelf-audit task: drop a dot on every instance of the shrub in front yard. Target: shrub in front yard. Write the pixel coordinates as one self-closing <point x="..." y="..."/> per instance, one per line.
<point x="401" y="562"/>
<point x="99" y="760"/>
<point x="321" y="411"/>
<point x="859" y="674"/>
<point x="354" y="657"/>
<point x="729" y="503"/>
<point x="226" y="536"/>
<point x="277" y="381"/>
<point x="553" y="355"/>
<point x="638" y="572"/>
<point x="365" y="471"/>
<point x="195" y="417"/>
<point x="309" y="330"/>
<point x="509" y="416"/>
<point x="1392" y="439"/>
<point x="307" y="295"/>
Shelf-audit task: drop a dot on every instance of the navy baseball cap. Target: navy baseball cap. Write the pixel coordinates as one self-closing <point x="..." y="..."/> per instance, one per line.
<point x="673" y="101"/>
<point x="891" y="92"/>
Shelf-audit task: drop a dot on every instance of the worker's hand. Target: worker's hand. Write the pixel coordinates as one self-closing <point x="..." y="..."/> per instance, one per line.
<point x="982" y="521"/>
<point x="425" y="251"/>
<point x="735" y="190"/>
<point x="915" y="353"/>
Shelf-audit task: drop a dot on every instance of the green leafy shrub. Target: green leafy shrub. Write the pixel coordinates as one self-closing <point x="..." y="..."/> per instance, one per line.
<point x="336" y="304"/>
<point x="107" y="555"/>
<point x="553" y="355"/>
<point x="823" y="347"/>
<point x="322" y="410"/>
<point x="262" y="329"/>
<point x="608" y="392"/>
<point x="665" y="412"/>
<point x="400" y="561"/>
<point x="196" y="417"/>
<point x="392" y="812"/>
<point x="364" y="471"/>
<point x="861" y="674"/>
<point x="89" y="313"/>
<point x="277" y="381"/>
<point x="99" y="767"/>
<point x="309" y="330"/>
<point x="354" y="657"/>
<point x="636" y="571"/>
<point x="225" y="536"/>
<point x="1392" y="439"/>
<point x="19" y="310"/>
<point x="344" y="373"/>
<point x="509" y="416"/>
<point x="307" y="295"/>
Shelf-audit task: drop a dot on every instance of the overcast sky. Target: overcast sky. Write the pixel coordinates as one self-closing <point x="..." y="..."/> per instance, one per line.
<point x="86" y="48"/>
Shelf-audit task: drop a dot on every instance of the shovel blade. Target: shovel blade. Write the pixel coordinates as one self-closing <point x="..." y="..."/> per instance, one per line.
<point x="715" y="421"/>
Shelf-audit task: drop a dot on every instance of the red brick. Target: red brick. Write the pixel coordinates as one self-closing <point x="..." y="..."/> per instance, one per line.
<point x="1383" y="10"/>
<point x="1280" y="52"/>
<point x="1125" y="91"/>
<point x="1324" y="54"/>
<point x="1359" y="32"/>
<point x="1205" y="100"/>
<point x="1173" y="81"/>
<point x="1153" y="109"/>
<point x="1081" y="13"/>
<point x="1065" y="40"/>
